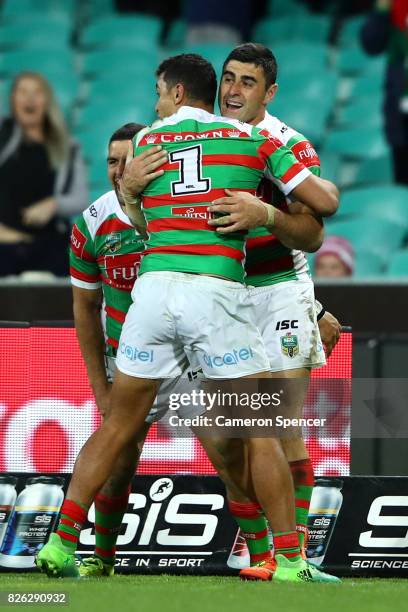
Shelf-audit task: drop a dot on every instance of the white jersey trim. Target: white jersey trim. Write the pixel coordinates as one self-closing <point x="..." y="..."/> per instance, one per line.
<point x="84" y="285"/>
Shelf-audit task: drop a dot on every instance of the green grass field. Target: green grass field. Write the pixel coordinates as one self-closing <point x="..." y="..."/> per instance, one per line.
<point x="209" y="594"/>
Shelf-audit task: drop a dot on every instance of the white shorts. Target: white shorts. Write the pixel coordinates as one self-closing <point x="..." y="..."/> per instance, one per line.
<point x="285" y="314"/>
<point x="188" y="382"/>
<point x="173" y="313"/>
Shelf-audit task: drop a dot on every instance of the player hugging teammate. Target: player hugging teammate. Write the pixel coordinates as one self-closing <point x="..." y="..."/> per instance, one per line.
<point x="190" y="301"/>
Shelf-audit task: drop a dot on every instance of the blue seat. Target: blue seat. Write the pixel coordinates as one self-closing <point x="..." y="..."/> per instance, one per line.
<point x="294" y="56"/>
<point x="309" y="119"/>
<point x="378" y="170"/>
<point x="362" y="113"/>
<point x="106" y="63"/>
<point x="357" y="143"/>
<point x="368" y="264"/>
<point x="112" y="116"/>
<point x="398" y="265"/>
<point x="388" y="202"/>
<point x="379" y="236"/>
<point x="285" y="7"/>
<point x="43" y="34"/>
<point x="142" y="30"/>
<point x="25" y="9"/>
<point x="57" y="61"/>
<point x="350" y="31"/>
<point x="176" y="35"/>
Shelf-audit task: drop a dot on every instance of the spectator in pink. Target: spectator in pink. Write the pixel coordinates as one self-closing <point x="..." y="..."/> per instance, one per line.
<point x="334" y="259"/>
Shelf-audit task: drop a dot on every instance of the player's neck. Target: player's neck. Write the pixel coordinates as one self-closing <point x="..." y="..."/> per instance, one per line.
<point x="199" y="104"/>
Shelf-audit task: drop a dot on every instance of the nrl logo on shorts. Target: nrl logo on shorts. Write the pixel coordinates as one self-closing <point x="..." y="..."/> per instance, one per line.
<point x="113" y="242"/>
<point x="289" y="345"/>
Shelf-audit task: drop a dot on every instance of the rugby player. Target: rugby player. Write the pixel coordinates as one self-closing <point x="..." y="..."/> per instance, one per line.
<point x="276" y="270"/>
<point x="104" y="259"/>
<point x="195" y="283"/>
<point x="282" y="291"/>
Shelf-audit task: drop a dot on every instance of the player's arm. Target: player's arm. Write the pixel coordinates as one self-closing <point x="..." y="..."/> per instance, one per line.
<point x="138" y="173"/>
<point x="298" y="229"/>
<point x="295" y="180"/>
<point x="87" y="317"/>
<point x="87" y="302"/>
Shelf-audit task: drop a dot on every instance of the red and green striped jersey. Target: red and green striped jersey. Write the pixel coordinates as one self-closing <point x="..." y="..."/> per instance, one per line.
<point x="268" y="261"/>
<point x="207" y="154"/>
<point x="105" y="253"/>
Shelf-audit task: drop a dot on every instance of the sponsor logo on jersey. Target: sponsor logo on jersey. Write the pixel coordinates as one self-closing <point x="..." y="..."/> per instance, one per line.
<point x="78" y="241"/>
<point x="92" y="211"/>
<point x="289" y="345"/>
<point x="113" y="242"/>
<point x="287" y="324"/>
<point x="231" y="358"/>
<point x="305" y="153"/>
<point x="192" y="212"/>
<point x="167" y="137"/>
<point x="134" y="354"/>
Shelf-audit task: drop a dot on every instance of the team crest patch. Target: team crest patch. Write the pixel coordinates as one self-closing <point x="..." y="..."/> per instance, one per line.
<point x="113" y="242"/>
<point x="289" y="345"/>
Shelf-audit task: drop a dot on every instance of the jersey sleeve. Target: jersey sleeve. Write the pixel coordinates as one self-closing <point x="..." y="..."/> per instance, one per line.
<point x="305" y="153"/>
<point x="282" y="167"/>
<point x="84" y="269"/>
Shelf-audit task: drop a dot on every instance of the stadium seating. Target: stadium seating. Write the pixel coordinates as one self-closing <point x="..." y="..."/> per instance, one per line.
<point x="176" y="35"/>
<point x="285" y="7"/>
<point x="357" y="143"/>
<point x="368" y="263"/>
<point x="111" y="116"/>
<point x="308" y="119"/>
<point x="350" y="31"/>
<point x="398" y="265"/>
<point x="141" y="30"/>
<point x="356" y="115"/>
<point x="377" y="170"/>
<point x="60" y="60"/>
<point x="298" y="55"/>
<point x="388" y="203"/>
<point x="98" y="64"/>
<point x="12" y="9"/>
<point x="39" y="34"/>
<point x="379" y="236"/>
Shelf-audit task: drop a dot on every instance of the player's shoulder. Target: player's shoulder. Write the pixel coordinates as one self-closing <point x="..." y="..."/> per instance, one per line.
<point x="102" y="208"/>
<point x="278" y="129"/>
<point x="300" y="145"/>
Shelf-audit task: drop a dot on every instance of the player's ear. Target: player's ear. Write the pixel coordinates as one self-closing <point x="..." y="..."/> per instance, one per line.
<point x="270" y="93"/>
<point x="178" y="93"/>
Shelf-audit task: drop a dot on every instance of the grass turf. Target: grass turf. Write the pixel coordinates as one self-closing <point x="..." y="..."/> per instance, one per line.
<point x="210" y="594"/>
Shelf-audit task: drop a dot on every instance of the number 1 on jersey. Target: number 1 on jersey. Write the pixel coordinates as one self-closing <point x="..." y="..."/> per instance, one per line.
<point x="190" y="166"/>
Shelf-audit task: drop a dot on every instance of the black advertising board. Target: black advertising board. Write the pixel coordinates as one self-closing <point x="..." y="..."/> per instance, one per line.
<point x="180" y="524"/>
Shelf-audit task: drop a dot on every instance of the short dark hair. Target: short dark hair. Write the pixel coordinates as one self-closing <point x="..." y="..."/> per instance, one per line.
<point x="194" y="72"/>
<point x="126" y="132"/>
<point x="255" y="53"/>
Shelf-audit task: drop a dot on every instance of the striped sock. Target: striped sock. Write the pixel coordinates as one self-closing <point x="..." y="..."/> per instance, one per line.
<point x="73" y="516"/>
<point x="109" y="513"/>
<point x="287" y="544"/>
<point x="254" y="529"/>
<point x="303" y="480"/>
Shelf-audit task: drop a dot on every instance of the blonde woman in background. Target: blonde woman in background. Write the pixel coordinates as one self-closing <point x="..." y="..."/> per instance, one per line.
<point x="42" y="180"/>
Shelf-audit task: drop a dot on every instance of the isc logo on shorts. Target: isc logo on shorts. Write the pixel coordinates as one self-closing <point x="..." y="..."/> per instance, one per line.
<point x="134" y="354"/>
<point x="232" y="358"/>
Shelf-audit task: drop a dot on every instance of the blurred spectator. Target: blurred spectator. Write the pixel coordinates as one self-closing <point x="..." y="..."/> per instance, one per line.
<point x="386" y="29"/>
<point x="218" y="21"/>
<point x="334" y="259"/>
<point x="42" y="180"/>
